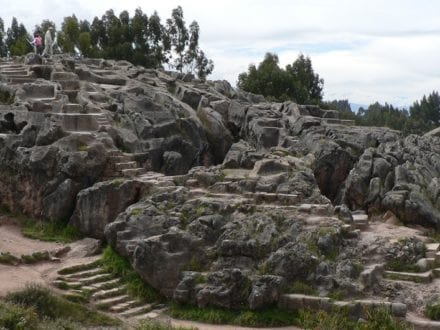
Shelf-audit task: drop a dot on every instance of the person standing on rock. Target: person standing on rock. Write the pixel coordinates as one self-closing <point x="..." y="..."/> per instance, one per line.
<point x="38" y="44"/>
<point x="48" y="44"/>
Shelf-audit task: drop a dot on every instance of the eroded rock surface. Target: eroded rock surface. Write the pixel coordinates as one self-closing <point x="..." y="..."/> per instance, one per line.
<point x="214" y="195"/>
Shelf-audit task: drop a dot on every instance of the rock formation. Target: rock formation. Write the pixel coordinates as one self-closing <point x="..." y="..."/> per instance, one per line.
<point x="214" y="195"/>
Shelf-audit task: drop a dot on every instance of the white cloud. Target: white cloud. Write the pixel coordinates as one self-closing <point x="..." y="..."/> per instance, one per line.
<point x="366" y="50"/>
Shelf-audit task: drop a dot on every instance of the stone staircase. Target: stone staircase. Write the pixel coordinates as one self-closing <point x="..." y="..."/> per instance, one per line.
<point x="431" y="262"/>
<point x="93" y="284"/>
<point x="69" y="82"/>
<point x="121" y="164"/>
<point x="16" y="73"/>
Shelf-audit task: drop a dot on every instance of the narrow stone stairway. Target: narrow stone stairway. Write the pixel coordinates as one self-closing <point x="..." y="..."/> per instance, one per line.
<point x="16" y="73"/>
<point x="91" y="283"/>
<point x="122" y="164"/>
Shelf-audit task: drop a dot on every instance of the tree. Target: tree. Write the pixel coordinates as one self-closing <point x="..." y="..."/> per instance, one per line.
<point x="204" y="66"/>
<point x="18" y="40"/>
<point x="139" y="30"/>
<point x="179" y="37"/>
<point x="424" y="114"/>
<point x="85" y="44"/>
<point x="159" y="42"/>
<point x="268" y="79"/>
<point x="44" y="26"/>
<point x="140" y="39"/>
<point x="383" y="115"/>
<point x="98" y="35"/>
<point x="308" y="85"/>
<point x="3" y="48"/>
<point x="343" y="106"/>
<point x="84" y="26"/>
<point x="297" y="82"/>
<point x="68" y="38"/>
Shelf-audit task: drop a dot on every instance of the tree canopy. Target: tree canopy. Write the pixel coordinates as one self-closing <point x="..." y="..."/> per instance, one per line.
<point x="422" y="116"/>
<point x="139" y="39"/>
<point x="297" y="82"/>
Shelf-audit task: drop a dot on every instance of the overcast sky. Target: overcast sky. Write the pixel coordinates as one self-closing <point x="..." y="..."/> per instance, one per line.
<point x="366" y="50"/>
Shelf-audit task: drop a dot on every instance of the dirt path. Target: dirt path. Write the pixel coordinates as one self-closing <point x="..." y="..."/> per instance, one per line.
<point x="13" y="278"/>
<point x="202" y="326"/>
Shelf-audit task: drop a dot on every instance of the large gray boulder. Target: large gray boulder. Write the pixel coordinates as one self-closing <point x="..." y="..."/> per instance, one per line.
<point x="100" y="204"/>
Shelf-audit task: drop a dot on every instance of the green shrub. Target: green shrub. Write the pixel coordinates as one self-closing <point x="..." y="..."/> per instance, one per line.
<point x="6" y="98"/>
<point x="155" y="325"/>
<point x="36" y="297"/>
<point x="303" y="288"/>
<point x="8" y="259"/>
<point x="269" y="317"/>
<point x="35" y="257"/>
<point x="397" y="265"/>
<point x="120" y="266"/>
<point x="51" y="231"/>
<point x="377" y="319"/>
<point x="51" y="307"/>
<point x="433" y="311"/>
<point x="17" y="317"/>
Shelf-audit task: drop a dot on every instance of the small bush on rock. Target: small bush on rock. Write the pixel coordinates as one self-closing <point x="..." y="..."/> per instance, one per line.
<point x="433" y="311"/>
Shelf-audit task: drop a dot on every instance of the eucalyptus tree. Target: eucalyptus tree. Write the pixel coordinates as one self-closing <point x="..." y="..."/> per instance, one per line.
<point x="68" y="37"/>
<point x="3" y="48"/>
<point x="18" y="40"/>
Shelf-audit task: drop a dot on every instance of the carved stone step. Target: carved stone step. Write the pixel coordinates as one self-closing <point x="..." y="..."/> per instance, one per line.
<point x="112" y="301"/>
<point x="137" y="310"/>
<point x="103" y="294"/>
<point x="425" y="277"/>
<point x="72" y="108"/>
<point x="130" y="172"/>
<point x="85" y="273"/>
<point x="127" y="165"/>
<point x="14" y="81"/>
<point x="69" y="84"/>
<point x="122" y="307"/>
<point x="21" y="72"/>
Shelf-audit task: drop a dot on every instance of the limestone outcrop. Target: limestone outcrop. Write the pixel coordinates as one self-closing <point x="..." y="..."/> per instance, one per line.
<point x="215" y="196"/>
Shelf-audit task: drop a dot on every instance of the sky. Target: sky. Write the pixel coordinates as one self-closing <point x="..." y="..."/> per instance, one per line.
<point x="366" y="51"/>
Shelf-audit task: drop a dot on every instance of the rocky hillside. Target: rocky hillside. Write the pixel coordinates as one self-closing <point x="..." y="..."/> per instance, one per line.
<point x="216" y="196"/>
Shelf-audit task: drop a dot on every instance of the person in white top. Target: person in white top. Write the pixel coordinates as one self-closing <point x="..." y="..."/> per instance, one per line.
<point x="48" y="43"/>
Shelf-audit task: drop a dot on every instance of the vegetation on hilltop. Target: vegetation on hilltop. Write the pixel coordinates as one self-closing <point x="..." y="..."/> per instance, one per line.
<point x="297" y="82"/>
<point x="422" y="116"/>
<point x="139" y="39"/>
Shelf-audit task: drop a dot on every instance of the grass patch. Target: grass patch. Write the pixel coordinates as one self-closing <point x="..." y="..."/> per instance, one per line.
<point x="336" y="294"/>
<point x="120" y="266"/>
<point x="7" y="258"/>
<point x="17" y="317"/>
<point x="155" y="325"/>
<point x="58" y="231"/>
<point x="397" y="265"/>
<point x="51" y="231"/>
<point x="6" y="98"/>
<point x="303" y="288"/>
<point x="375" y="319"/>
<point x="433" y="311"/>
<point x="47" y="306"/>
<point x="35" y="257"/>
<point x="195" y="265"/>
<point x="270" y="317"/>
<point x="136" y="212"/>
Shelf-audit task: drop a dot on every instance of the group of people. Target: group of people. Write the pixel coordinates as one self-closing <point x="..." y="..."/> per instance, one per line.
<point x="37" y="43"/>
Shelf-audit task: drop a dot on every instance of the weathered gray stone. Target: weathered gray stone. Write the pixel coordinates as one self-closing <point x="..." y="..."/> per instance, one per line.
<point x="100" y="204"/>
